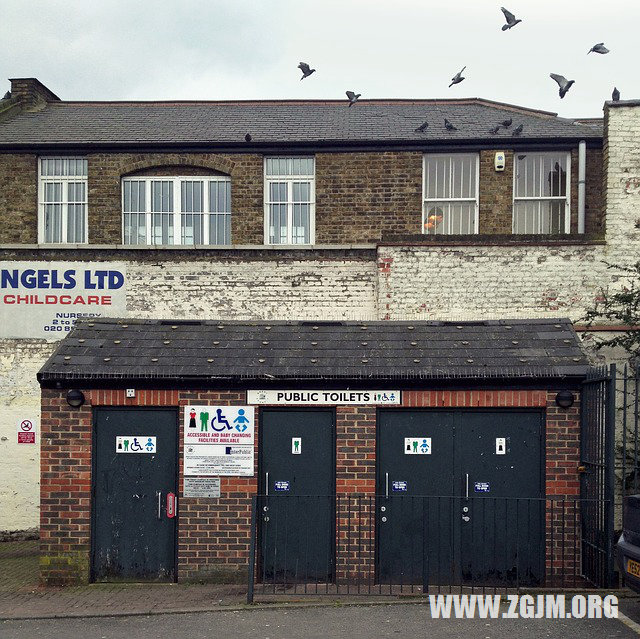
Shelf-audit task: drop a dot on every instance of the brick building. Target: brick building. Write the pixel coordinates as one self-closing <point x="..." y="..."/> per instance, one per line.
<point x="289" y="210"/>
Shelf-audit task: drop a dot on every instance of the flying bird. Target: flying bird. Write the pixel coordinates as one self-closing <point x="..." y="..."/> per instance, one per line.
<point x="448" y="126"/>
<point x="457" y="78"/>
<point x="353" y="97"/>
<point x="7" y="95"/>
<point x="306" y="70"/>
<point x="510" y="18"/>
<point x="506" y="123"/>
<point x="563" y="83"/>
<point x="422" y="128"/>
<point x="598" y="48"/>
<point x="495" y="130"/>
<point x="247" y="138"/>
<point x="518" y="130"/>
<point x="615" y="96"/>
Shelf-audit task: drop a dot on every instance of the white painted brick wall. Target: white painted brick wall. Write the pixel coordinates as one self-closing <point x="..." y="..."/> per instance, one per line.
<point x="493" y="282"/>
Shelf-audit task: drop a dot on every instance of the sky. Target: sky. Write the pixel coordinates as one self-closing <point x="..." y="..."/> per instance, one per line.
<point x="241" y="49"/>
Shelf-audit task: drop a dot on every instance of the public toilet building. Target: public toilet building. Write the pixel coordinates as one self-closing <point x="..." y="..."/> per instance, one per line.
<point x="396" y="452"/>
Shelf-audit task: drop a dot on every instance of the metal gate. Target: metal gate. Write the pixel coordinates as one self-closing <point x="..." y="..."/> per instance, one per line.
<point x="597" y="434"/>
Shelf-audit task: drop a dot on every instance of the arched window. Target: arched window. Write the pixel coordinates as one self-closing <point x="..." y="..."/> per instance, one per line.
<point x="162" y="209"/>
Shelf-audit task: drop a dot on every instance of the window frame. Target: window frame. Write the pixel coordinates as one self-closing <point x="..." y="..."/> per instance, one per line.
<point x="65" y="180"/>
<point x="177" y="212"/>
<point x="476" y="200"/>
<point x="557" y="198"/>
<point x="289" y="179"/>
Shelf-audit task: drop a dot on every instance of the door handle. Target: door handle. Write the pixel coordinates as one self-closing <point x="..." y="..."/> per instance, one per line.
<point x="266" y="484"/>
<point x="386" y="485"/>
<point x="159" y="494"/>
<point x="466" y="489"/>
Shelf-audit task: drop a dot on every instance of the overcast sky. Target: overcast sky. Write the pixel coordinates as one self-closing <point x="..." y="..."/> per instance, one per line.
<point x="241" y="49"/>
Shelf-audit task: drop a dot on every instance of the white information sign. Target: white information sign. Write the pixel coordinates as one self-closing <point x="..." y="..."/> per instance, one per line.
<point x="417" y="445"/>
<point x="205" y="459"/>
<point x="27" y="430"/>
<point x="44" y="299"/>
<point x="135" y="444"/>
<point x="324" y="397"/>
<point x="201" y="487"/>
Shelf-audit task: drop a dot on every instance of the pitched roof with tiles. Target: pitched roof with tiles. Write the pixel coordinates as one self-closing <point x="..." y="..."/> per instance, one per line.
<point x="216" y="352"/>
<point x="283" y="124"/>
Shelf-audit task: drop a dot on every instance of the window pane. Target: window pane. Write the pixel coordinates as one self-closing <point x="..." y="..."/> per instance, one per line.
<point x="277" y="224"/>
<point x="450" y="218"/>
<point x="539" y="216"/>
<point x="53" y="223"/>
<point x="162" y="196"/>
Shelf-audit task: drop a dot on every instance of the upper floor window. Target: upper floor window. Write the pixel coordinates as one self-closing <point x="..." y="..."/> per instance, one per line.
<point x="541" y="192"/>
<point x="176" y="210"/>
<point x="62" y="201"/>
<point x="289" y="196"/>
<point x="450" y="199"/>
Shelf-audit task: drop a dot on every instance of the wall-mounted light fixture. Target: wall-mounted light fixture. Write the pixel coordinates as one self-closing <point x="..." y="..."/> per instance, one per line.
<point x="565" y="399"/>
<point x="75" y="398"/>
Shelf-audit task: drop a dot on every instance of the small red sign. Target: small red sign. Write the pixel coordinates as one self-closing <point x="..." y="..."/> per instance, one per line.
<point x="172" y="503"/>
<point x="26" y="438"/>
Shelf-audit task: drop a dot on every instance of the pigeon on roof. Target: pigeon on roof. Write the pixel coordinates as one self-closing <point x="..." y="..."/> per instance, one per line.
<point x="422" y="128"/>
<point x="353" y="97"/>
<point x="7" y="95"/>
<point x="510" y="18"/>
<point x="495" y="130"/>
<point x="598" y="48"/>
<point x="306" y="70"/>
<point x="615" y="96"/>
<point x="518" y="130"/>
<point x="563" y="83"/>
<point x="457" y="78"/>
<point x="506" y="123"/>
<point x="247" y="137"/>
<point x="448" y="126"/>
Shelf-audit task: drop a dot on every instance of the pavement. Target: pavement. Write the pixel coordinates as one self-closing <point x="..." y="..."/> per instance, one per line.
<point x="353" y="622"/>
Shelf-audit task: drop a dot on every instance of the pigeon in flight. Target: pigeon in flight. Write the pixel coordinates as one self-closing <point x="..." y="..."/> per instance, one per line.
<point x="422" y="128"/>
<point x="306" y="70"/>
<point x="457" y="78"/>
<point x="495" y="130"/>
<point x="615" y="96"/>
<point x="518" y="130"/>
<point x="448" y="126"/>
<point x="563" y="83"/>
<point x="7" y="95"/>
<point x="353" y="97"/>
<point x="510" y="18"/>
<point x="506" y="123"/>
<point x="598" y="48"/>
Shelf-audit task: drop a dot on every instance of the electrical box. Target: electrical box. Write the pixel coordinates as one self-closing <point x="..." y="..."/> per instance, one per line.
<point x="131" y="392"/>
<point x="500" y="161"/>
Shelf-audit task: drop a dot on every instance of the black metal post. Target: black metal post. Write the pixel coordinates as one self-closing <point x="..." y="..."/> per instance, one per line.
<point x="252" y="548"/>
<point x="609" y="451"/>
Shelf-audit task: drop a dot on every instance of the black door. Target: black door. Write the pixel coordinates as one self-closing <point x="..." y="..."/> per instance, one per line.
<point x="297" y="484"/>
<point x="502" y="521"/>
<point x="460" y="497"/>
<point x="134" y="470"/>
<point x="415" y="488"/>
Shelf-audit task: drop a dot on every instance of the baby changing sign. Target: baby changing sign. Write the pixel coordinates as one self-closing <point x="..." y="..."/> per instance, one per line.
<point x="218" y="425"/>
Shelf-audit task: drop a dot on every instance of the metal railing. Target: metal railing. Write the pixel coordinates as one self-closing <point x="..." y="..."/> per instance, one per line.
<point x="412" y="545"/>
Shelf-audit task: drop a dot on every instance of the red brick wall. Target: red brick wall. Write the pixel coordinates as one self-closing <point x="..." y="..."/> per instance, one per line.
<point x="213" y="535"/>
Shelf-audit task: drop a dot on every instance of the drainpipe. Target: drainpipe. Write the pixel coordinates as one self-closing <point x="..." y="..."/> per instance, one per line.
<point x="582" y="161"/>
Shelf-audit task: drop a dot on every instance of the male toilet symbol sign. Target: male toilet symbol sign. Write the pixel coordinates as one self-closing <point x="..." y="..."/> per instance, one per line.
<point x="296" y="445"/>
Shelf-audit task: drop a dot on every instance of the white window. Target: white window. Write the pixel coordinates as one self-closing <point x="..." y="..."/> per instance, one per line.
<point x="176" y="210"/>
<point x="450" y="198"/>
<point x="541" y="193"/>
<point x="289" y="197"/>
<point x="62" y="201"/>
